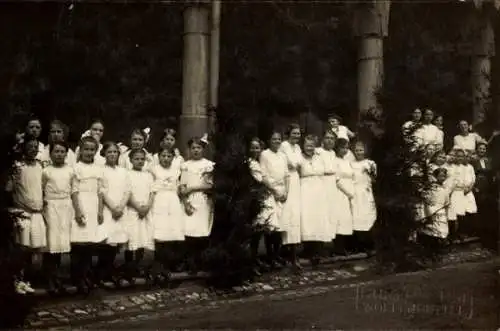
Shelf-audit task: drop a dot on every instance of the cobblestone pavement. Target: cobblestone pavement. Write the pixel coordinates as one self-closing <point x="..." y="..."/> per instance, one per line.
<point x="114" y="306"/>
<point x="463" y="296"/>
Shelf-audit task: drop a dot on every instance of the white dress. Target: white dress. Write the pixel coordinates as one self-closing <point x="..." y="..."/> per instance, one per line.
<point x="341" y="132"/>
<point x="58" y="209"/>
<point x="436" y="208"/>
<point x="314" y="221"/>
<point x="167" y="215"/>
<point x="364" y="210"/>
<point x="98" y="159"/>
<point x="46" y="160"/>
<point x="457" y="198"/>
<point x="116" y="188"/>
<point x="87" y="182"/>
<point x="330" y="189"/>
<point x="290" y="218"/>
<point x="194" y="173"/>
<point x="27" y="196"/>
<point x="345" y="184"/>
<point x="428" y="134"/>
<point x="124" y="161"/>
<point x="440" y="139"/>
<point x="349" y="156"/>
<point x="139" y="230"/>
<point x="267" y="209"/>
<point x="466" y="143"/>
<point x="469" y="180"/>
<point x="275" y="169"/>
<point x="41" y="150"/>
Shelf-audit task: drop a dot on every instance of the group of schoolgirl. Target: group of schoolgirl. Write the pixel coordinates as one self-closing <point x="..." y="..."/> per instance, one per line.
<point x="319" y="191"/>
<point x="104" y="197"/>
<point x="451" y="203"/>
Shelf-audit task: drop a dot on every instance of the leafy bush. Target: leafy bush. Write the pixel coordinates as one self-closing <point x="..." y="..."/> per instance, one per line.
<point x="237" y="199"/>
<point x="14" y="307"/>
<point x="403" y="183"/>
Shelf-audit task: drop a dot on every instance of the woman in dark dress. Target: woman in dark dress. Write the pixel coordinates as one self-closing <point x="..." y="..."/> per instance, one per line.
<point x="484" y="192"/>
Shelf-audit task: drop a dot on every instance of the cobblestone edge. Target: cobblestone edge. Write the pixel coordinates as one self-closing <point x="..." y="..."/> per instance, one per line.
<point x="148" y="303"/>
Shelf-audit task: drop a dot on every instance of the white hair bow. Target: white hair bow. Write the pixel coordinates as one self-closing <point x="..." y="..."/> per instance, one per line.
<point x="204" y="138"/>
<point x="122" y="148"/>
<point x="19" y="141"/>
<point x="20" y="138"/>
<point x="86" y="134"/>
<point x="147" y="132"/>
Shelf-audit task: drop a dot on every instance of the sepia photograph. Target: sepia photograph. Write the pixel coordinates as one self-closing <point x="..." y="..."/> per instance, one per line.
<point x="250" y="165"/>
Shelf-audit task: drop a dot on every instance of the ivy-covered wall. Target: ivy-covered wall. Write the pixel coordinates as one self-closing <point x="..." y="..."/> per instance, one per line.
<point x="123" y="63"/>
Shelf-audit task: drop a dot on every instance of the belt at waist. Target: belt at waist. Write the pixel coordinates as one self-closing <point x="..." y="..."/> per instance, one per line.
<point x="60" y="197"/>
<point x="87" y="191"/>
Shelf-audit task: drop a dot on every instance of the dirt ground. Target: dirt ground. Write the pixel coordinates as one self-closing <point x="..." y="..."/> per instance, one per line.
<point x="461" y="297"/>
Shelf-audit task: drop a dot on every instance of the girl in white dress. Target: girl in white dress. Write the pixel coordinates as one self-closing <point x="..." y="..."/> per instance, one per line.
<point x="339" y="130"/>
<point x="345" y="186"/>
<point x="57" y="180"/>
<point x="276" y="176"/>
<point x="167" y="216"/>
<point x="291" y="209"/>
<point x="457" y="200"/>
<point x="469" y="181"/>
<point x="115" y="194"/>
<point x="196" y="182"/>
<point x="329" y="157"/>
<point x="262" y="219"/>
<point x="138" y="216"/>
<point x="58" y="132"/>
<point x="436" y="209"/>
<point x="428" y="133"/>
<point x="438" y="122"/>
<point x="315" y="226"/>
<point x="34" y="129"/>
<point x="138" y="140"/>
<point x="27" y="194"/>
<point x="364" y="210"/>
<point x="466" y="140"/>
<point x="88" y="205"/>
<point x="451" y="182"/>
<point x="438" y="203"/>
<point x="96" y="131"/>
<point x="410" y="126"/>
<point x="438" y="160"/>
<point x="169" y="141"/>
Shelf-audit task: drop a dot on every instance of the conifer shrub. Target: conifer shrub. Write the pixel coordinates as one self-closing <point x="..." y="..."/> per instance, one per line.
<point x="237" y="201"/>
<point x="403" y="183"/>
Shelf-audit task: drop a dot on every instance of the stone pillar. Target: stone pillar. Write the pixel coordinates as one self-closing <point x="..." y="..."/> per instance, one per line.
<point x="495" y="76"/>
<point x="214" y="59"/>
<point x="195" y="85"/>
<point x="370" y="73"/>
<point x="371" y="22"/>
<point x="483" y="50"/>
